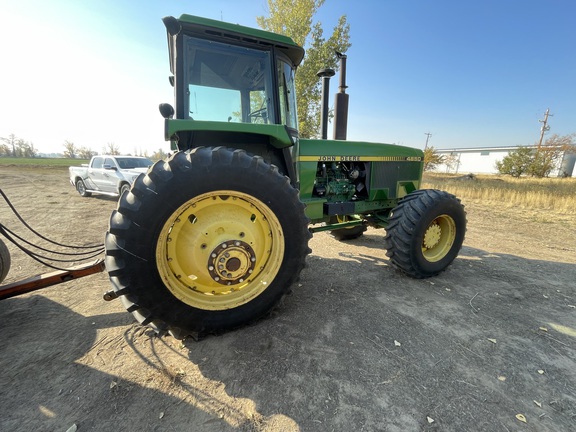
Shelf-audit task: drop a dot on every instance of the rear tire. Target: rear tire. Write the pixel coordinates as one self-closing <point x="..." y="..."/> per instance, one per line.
<point x="81" y="188"/>
<point x="208" y="241"/>
<point x="4" y="260"/>
<point x="425" y="232"/>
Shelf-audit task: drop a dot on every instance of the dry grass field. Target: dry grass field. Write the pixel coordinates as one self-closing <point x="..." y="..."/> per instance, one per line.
<point x="557" y="196"/>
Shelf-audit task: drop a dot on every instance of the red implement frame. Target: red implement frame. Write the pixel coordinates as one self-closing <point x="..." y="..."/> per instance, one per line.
<point x="48" y="279"/>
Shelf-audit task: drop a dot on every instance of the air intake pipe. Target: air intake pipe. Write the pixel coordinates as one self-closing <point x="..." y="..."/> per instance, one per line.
<point x="325" y="74"/>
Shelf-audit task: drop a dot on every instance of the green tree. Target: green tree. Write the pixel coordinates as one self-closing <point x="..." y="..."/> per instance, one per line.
<point x="537" y="162"/>
<point x="547" y="158"/>
<point x="294" y="18"/>
<point x="516" y="163"/>
<point x="432" y="159"/>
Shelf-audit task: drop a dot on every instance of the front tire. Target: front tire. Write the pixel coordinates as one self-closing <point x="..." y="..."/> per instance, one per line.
<point x="344" y="234"/>
<point x="125" y="188"/>
<point x="425" y="232"/>
<point x="207" y="241"/>
<point x="81" y="188"/>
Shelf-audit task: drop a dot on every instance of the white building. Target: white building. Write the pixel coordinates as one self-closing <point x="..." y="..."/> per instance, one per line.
<point x="482" y="160"/>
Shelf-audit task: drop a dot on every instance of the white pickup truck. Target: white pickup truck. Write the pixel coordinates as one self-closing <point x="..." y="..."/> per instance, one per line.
<point x="108" y="175"/>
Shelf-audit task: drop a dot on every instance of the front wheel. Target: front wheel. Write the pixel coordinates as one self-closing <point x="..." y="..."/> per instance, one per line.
<point x="349" y="233"/>
<point x="207" y="241"/>
<point x="81" y="188"/>
<point x="124" y="188"/>
<point x="425" y="232"/>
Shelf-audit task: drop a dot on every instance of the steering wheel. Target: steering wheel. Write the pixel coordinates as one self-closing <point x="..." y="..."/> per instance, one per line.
<point x="261" y="113"/>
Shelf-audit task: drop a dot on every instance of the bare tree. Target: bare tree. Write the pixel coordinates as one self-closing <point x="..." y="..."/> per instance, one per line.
<point x="11" y="141"/>
<point x="86" y="153"/>
<point x="159" y="155"/>
<point x="112" y="149"/>
<point x="25" y="149"/>
<point x="69" y="150"/>
<point x="4" y="150"/>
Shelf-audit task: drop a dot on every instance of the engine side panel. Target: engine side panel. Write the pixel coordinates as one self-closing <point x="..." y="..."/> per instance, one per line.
<point x="355" y="177"/>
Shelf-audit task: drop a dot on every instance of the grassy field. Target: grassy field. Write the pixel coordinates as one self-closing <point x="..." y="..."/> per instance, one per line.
<point x="557" y="195"/>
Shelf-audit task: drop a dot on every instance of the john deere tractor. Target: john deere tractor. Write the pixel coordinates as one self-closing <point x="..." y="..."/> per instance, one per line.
<point x="213" y="237"/>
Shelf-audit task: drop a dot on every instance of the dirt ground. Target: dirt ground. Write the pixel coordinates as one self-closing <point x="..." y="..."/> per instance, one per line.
<point x="356" y="347"/>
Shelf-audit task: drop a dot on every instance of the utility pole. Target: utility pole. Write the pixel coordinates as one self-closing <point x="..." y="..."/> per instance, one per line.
<point x="545" y="128"/>
<point x="428" y="135"/>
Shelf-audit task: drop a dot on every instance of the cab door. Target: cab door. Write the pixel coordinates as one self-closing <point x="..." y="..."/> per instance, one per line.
<point x="95" y="174"/>
<point x="109" y="176"/>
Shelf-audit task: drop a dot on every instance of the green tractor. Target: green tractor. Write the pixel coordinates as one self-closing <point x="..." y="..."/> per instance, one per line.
<point x="213" y="238"/>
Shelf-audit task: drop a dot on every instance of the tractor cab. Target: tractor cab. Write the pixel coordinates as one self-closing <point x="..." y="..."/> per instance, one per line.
<point x="234" y="75"/>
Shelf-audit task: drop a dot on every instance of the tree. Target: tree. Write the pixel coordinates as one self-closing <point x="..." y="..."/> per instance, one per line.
<point x="547" y="158"/>
<point x="294" y="18"/>
<point x="25" y="149"/>
<point x="85" y="153"/>
<point x="158" y="155"/>
<point x="537" y="161"/>
<point x="112" y="149"/>
<point x="69" y="150"/>
<point x="432" y="159"/>
<point x="516" y="163"/>
<point x="10" y="144"/>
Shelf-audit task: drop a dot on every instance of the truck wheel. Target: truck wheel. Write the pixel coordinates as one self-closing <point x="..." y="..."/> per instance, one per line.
<point x="4" y="260"/>
<point x="425" y="232"/>
<point x="344" y="234"/>
<point x="207" y="241"/>
<point x="124" y="188"/>
<point x="81" y="188"/>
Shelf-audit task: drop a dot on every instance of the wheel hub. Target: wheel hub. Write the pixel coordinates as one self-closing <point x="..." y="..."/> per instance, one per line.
<point x="231" y="262"/>
<point x="432" y="236"/>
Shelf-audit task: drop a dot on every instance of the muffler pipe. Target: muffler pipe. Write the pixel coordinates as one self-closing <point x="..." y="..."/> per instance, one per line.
<point x="341" y="103"/>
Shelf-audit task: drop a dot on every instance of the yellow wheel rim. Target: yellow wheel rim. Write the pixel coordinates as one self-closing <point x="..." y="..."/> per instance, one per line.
<point x="341" y="219"/>
<point x="438" y="238"/>
<point x="220" y="250"/>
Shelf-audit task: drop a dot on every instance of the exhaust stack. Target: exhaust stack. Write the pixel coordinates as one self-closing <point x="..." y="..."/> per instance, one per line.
<point x="325" y="74"/>
<point x="341" y="103"/>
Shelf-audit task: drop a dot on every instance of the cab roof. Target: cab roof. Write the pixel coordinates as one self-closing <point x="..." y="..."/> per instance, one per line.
<point x="234" y="32"/>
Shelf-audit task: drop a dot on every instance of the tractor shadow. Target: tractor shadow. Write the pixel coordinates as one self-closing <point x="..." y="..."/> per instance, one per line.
<point x="100" y="372"/>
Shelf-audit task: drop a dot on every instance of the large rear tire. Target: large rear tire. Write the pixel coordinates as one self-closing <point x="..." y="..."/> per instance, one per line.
<point x="425" y="232"/>
<point x="207" y="241"/>
<point x="4" y="260"/>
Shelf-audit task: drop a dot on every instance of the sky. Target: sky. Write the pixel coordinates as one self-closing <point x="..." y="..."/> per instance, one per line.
<point x="470" y="73"/>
